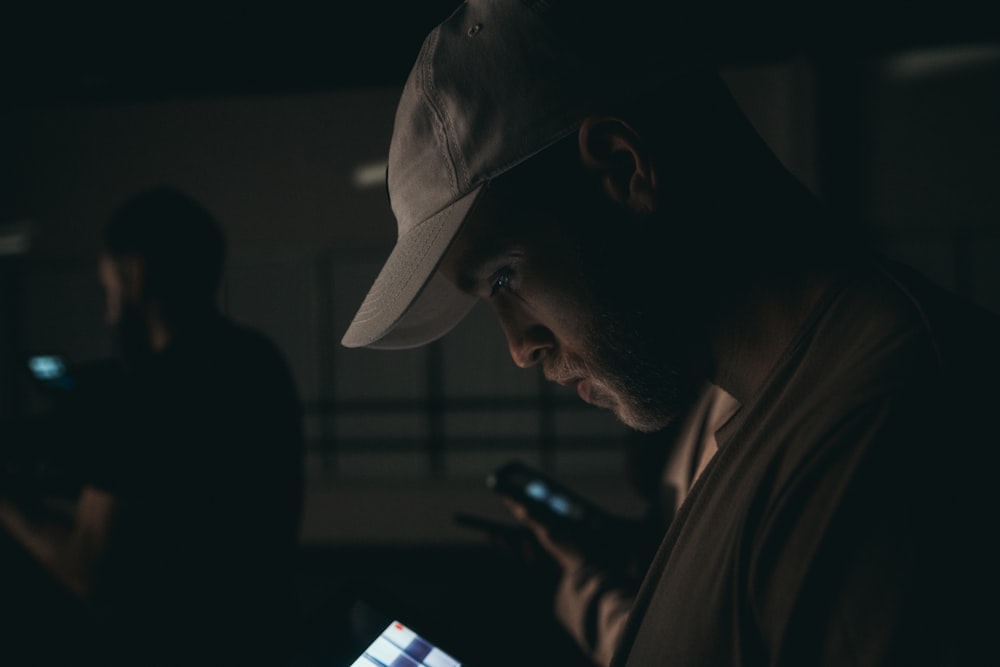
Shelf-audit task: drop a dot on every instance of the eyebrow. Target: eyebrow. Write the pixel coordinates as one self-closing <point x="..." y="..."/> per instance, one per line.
<point x="471" y="270"/>
<point x="474" y="268"/>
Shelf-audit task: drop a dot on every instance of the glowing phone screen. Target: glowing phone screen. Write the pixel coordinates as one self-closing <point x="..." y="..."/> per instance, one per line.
<point x="398" y="646"/>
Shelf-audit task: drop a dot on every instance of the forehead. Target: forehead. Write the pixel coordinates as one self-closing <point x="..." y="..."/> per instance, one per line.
<point x="528" y="207"/>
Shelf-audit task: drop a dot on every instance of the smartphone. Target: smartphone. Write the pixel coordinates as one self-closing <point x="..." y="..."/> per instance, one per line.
<point x="547" y="501"/>
<point x="397" y="644"/>
<point x="389" y="642"/>
<point x="51" y="370"/>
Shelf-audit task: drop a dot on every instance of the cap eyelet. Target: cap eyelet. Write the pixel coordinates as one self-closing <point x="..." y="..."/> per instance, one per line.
<point x="474" y="30"/>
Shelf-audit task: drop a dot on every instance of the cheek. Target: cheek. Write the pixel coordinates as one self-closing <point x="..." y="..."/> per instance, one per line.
<point x="575" y="329"/>
<point x="567" y="313"/>
<point x="108" y="279"/>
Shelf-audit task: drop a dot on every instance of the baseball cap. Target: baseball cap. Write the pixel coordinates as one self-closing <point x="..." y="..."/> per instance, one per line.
<point x="494" y="84"/>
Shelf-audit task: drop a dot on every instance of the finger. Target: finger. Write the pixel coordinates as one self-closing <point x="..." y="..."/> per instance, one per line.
<point x="517" y="509"/>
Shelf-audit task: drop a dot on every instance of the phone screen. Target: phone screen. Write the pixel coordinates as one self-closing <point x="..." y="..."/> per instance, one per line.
<point x="399" y="646"/>
<point x="544" y="498"/>
<point x="556" y="501"/>
<point x="50" y="370"/>
<point x="376" y="637"/>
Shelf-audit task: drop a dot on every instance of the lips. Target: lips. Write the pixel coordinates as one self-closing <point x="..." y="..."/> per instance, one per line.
<point x="583" y="387"/>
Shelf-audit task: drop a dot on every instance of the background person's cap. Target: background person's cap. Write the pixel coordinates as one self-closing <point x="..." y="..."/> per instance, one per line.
<point x="494" y="84"/>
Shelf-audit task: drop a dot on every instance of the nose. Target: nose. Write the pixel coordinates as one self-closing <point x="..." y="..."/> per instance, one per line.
<point x="529" y="345"/>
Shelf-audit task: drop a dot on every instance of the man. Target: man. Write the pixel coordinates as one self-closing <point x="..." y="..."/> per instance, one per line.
<point x="635" y="238"/>
<point x="184" y="533"/>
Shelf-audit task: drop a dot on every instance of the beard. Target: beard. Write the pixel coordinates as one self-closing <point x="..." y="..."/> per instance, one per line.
<point x="648" y="383"/>
<point x="646" y="333"/>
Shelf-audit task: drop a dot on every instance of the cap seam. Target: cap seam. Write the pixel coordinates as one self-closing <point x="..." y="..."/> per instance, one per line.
<point x="442" y="125"/>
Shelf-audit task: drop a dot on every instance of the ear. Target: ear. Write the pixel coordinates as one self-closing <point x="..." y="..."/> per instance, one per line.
<point x="613" y="150"/>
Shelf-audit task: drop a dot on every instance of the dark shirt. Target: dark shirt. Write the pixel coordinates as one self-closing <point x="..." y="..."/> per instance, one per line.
<point x="202" y="445"/>
<point x="847" y="517"/>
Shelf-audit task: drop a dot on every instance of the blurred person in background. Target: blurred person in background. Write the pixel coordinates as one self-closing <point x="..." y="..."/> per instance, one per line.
<point x="181" y="544"/>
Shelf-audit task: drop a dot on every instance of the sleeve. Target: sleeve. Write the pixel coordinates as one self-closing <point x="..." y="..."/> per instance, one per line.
<point x="593" y="609"/>
<point x="843" y="570"/>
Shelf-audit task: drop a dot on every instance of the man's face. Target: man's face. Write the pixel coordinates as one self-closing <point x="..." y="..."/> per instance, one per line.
<point x="123" y="312"/>
<point x="114" y="292"/>
<point x="577" y="301"/>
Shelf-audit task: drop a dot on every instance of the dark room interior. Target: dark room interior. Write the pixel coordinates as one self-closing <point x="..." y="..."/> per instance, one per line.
<point x="278" y="120"/>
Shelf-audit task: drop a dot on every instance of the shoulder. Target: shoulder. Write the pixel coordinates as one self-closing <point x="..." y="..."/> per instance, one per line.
<point x="965" y="334"/>
<point x="231" y="358"/>
<point x="246" y="346"/>
<point x="888" y="326"/>
<point x="889" y="378"/>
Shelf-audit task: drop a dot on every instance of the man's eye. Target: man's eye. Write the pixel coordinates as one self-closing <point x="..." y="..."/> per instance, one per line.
<point x="500" y="281"/>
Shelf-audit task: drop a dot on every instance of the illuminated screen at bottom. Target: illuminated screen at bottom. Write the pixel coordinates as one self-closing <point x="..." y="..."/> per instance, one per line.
<point x="398" y="646"/>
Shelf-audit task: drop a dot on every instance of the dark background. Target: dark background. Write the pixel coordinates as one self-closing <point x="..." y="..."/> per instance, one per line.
<point x="154" y="50"/>
<point x="888" y="111"/>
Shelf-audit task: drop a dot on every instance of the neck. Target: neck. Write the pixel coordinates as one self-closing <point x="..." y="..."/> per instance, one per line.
<point x="755" y="328"/>
<point x="772" y="280"/>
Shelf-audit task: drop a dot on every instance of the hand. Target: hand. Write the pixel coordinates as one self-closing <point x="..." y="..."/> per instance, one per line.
<point x="566" y="555"/>
<point x="512" y="539"/>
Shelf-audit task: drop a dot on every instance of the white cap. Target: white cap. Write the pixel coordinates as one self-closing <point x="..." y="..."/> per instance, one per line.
<point x="493" y="85"/>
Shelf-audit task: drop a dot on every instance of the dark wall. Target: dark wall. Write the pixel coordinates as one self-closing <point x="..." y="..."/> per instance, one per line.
<point x="904" y="144"/>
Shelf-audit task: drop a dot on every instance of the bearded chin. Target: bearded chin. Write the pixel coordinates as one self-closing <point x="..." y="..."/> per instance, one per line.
<point x="654" y="366"/>
<point x="654" y="388"/>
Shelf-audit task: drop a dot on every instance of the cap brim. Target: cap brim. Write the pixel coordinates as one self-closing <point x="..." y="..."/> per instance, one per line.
<point x="410" y="304"/>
